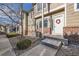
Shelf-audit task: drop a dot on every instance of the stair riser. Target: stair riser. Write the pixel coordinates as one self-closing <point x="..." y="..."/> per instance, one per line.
<point x="55" y="38"/>
<point x="52" y="46"/>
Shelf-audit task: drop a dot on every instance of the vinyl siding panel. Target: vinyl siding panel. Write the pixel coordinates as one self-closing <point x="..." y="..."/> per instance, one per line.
<point x="72" y="15"/>
<point x="51" y="6"/>
<point x="54" y="5"/>
<point x="58" y="13"/>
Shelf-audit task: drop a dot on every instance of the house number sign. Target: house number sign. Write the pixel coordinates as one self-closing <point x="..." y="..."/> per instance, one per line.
<point x="58" y="21"/>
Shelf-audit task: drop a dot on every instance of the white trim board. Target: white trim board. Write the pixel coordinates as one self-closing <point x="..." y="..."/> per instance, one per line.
<point x="52" y="10"/>
<point x="65" y="19"/>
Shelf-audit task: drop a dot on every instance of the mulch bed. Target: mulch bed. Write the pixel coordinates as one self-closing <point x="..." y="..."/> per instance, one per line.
<point x="14" y="40"/>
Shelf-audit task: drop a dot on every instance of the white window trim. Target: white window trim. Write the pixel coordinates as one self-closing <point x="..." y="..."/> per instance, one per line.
<point x="75" y="7"/>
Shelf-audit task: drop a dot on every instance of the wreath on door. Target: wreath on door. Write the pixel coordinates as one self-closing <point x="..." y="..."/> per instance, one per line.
<point x="58" y="21"/>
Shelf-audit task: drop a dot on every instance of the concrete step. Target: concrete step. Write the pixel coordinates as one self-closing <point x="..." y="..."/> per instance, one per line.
<point x="59" y="38"/>
<point x="56" y="37"/>
<point x="52" y="43"/>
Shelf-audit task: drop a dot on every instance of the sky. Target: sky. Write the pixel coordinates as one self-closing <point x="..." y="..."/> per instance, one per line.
<point x="27" y="6"/>
<point x="15" y="7"/>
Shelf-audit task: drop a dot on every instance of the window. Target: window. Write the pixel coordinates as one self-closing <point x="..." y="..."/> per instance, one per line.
<point x="40" y="24"/>
<point x="76" y="7"/>
<point x="46" y="23"/>
<point x="39" y="6"/>
<point x="44" y="5"/>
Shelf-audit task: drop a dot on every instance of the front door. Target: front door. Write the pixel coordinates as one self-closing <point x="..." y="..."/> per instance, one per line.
<point x="58" y="24"/>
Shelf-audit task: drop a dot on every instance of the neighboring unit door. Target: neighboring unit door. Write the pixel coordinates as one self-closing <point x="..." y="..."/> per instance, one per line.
<point x="58" y="24"/>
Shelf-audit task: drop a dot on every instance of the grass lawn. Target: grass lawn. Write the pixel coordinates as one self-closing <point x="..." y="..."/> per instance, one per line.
<point x="12" y="34"/>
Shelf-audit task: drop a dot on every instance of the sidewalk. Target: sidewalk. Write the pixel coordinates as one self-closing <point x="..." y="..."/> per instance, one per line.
<point x="5" y="47"/>
<point x="40" y="50"/>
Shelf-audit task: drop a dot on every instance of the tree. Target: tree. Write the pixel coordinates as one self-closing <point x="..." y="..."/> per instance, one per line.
<point x="21" y="10"/>
<point x="10" y="15"/>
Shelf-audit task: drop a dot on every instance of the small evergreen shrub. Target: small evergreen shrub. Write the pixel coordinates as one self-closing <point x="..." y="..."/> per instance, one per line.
<point x="23" y="44"/>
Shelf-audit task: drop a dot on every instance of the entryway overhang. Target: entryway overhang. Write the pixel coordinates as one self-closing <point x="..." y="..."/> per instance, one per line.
<point x="55" y="10"/>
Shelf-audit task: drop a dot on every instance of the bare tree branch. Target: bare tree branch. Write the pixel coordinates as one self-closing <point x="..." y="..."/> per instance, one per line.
<point x="8" y="16"/>
<point x="11" y="10"/>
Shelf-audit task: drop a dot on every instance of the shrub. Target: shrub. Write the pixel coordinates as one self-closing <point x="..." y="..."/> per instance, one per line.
<point x="73" y="38"/>
<point x="13" y="34"/>
<point x="66" y="36"/>
<point x="23" y="44"/>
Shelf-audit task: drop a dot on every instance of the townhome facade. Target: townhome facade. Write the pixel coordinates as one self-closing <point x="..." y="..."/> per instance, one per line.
<point x="23" y="26"/>
<point x="72" y="19"/>
<point x="56" y="18"/>
<point x="51" y="12"/>
<point x="31" y="23"/>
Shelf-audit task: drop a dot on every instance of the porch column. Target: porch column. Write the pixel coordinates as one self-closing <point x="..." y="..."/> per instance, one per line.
<point x="65" y="14"/>
<point x="42" y="18"/>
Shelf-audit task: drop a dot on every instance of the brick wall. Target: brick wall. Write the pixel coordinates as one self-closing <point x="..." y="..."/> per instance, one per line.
<point x="72" y="34"/>
<point x="71" y="30"/>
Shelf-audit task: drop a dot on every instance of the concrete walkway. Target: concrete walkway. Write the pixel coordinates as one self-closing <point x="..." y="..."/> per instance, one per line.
<point x="40" y="50"/>
<point x="5" y="46"/>
<point x="45" y="48"/>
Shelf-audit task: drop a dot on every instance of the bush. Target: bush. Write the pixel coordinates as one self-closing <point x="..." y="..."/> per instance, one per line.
<point x="9" y="35"/>
<point x="23" y="44"/>
<point x="73" y="38"/>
